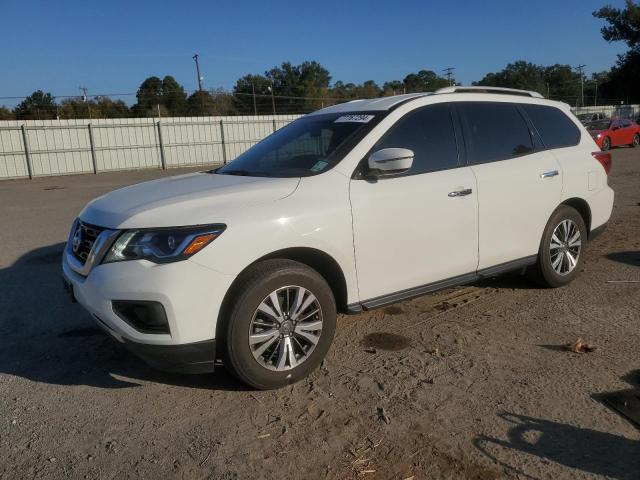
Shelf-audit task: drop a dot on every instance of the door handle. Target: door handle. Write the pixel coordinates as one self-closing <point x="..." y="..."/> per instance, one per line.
<point x="460" y="193"/>
<point x="550" y="173"/>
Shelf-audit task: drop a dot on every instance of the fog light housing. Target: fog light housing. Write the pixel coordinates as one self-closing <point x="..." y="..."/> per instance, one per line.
<point x="144" y="316"/>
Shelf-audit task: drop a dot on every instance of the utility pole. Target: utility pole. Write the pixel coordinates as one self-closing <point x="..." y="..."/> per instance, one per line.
<point x="84" y="91"/>
<point x="580" y="69"/>
<point x="273" y="100"/>
<point x="253" y="90"/>
<point x="195" y="58"/>
<point x="449" y="72"/>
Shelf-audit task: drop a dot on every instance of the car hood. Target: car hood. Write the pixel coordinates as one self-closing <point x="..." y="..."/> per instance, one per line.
<point x="192" y="199"/>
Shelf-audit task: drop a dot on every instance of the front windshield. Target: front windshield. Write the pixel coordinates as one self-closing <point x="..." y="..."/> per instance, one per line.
<point x="598" y="125"/>
<point x="307" y="146"/>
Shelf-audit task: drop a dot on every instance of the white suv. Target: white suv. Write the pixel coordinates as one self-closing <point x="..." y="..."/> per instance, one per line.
<point x="349" y="208"/>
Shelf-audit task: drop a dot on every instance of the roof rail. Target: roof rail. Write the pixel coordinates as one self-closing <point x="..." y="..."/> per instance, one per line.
<point x="498" y="90"/>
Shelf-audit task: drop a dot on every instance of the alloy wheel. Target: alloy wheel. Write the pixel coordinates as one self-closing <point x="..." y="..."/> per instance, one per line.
<point x="565" y="247"/>
<point x="285" y="328"/>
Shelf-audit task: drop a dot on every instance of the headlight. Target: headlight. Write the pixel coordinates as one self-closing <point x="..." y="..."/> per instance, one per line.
<point x="598" y="135"/>
<point x="162" y="245"/>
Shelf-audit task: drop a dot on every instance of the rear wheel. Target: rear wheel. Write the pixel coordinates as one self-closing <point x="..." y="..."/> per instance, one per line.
<point x="280" y="325"/>
<point x="561" y="250"/>
<point x="606" y="144"/>
<point x="636" y="140"/>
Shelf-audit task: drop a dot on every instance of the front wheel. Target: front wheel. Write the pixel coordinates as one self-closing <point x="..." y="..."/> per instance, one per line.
<point x="636" y="140"/>
<point x="280" y="325"/>
<point x="561" y="250"/>
<point x="606" y="144"/>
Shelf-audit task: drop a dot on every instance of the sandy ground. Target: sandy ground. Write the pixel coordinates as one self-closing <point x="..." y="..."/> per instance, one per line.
<point x="471" y="382"/>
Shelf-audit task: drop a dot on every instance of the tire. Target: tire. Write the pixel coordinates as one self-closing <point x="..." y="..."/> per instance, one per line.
<point x="550" y="270"/>
<point x="636" y="140"/>
<point x="606" y="144"/>
<point x="277" y="365"/>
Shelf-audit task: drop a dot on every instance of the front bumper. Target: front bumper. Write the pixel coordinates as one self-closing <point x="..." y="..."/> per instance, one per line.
<point x="191" y="295"/>
<point x="191" y="358"/>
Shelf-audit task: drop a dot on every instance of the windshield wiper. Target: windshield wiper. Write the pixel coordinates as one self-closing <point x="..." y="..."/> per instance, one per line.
<point x="241" y="173"/>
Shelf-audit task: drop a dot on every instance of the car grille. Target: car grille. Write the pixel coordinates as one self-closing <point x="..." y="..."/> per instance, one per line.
<point x="83" y="239"/>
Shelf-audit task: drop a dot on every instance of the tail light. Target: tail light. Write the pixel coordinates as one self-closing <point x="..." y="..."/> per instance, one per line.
<point x="605" y="160"/>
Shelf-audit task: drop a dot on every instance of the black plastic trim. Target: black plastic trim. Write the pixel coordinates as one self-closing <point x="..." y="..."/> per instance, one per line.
<point x="414" y="292"/>
<point x="508" y="266"/>
<point x="192" y="358"/>
<point x="198" y="357"/>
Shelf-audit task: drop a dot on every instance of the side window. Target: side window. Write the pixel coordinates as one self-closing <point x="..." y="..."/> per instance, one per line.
<point x="496" y="131"/>
<point x="555" y="128"/>
<point x="626" y="123"/>
<point x="429" y="133"/>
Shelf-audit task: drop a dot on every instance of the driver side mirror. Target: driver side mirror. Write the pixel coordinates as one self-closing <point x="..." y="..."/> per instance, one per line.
<point x="390" y="160"/>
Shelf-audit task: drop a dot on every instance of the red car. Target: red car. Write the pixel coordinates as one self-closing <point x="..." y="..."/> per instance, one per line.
<point x="614" y="133"/>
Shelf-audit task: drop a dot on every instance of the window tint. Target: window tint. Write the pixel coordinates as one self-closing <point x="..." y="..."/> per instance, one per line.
<point x="307" y="146"/>
<point x="496" y="131"/>
<point x="554" y="127"/>
<point x="626" y="123"/>
<point x="429" y="133"/>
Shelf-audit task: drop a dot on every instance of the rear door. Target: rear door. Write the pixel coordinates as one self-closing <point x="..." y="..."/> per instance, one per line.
<point x="519" y="183"/>
<point x="419" y="227"/>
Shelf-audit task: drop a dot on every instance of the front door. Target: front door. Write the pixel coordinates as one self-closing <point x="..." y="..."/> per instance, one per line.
<point x="419" y="227"/>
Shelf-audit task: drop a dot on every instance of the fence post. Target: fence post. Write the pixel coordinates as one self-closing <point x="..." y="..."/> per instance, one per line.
<point x="161" y="144"/>
<point x="27" y="152"/>
<point x="224" y="148"/>
<point x="93" y="149"/>
<point x="274" y="124"/>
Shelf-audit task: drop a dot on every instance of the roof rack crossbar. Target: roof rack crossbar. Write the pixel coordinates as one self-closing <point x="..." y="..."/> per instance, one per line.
<point x="495" y="90"/>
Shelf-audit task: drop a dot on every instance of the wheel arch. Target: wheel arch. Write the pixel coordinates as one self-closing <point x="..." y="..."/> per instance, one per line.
<point x="583" y="208"/>
<point x="316" y="259"/>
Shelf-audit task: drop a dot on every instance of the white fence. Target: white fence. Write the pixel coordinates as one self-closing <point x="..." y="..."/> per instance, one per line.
<point x="35" y="148"/>
<point x="612" y="111"/>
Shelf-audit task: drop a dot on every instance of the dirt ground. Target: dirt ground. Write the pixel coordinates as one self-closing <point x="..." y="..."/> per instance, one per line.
<point x="472" y="382"/>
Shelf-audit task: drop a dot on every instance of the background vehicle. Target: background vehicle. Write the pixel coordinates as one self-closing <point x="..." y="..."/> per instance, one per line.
<point x="352" y="207"/>
<point x="586" y="118"/>
<point x="615" y="133"/>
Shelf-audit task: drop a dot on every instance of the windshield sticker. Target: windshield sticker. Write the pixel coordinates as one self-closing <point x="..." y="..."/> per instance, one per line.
<point x="354" y="118"/>
<point x="319" y="166"/>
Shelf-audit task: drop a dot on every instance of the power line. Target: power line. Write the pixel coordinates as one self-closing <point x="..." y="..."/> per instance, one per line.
<point x="449" y="72"/>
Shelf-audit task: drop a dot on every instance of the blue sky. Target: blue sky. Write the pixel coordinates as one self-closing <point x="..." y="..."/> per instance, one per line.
<point x="111" y="46"/>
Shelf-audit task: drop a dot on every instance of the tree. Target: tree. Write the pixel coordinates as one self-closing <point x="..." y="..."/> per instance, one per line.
<point x="101" y="107"/>
<point x="6" y="114"/>
<point x="244" y="95"/>
<point x="623" y="25"/>
<point x="149" y="95"/>
<point x="173" y="96"/>
<point x="521" y="74"/>
<point x="214" y="102"/>
<point x="394" y="87"/>
<point x="562" y="83"/>
<point x="37" y="106"/>
<point x="424" y="81"/>
<point x="167" y="93"/>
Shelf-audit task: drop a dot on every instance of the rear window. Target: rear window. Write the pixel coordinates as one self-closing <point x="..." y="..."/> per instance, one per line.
<point x="555" y="128"/>
<point x="495" y="131"/>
